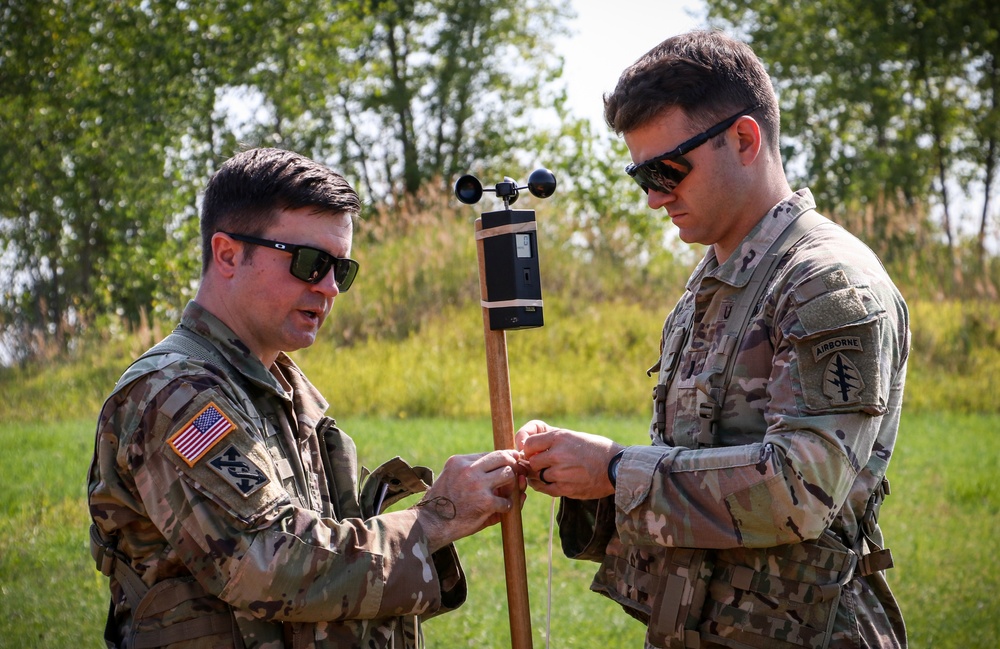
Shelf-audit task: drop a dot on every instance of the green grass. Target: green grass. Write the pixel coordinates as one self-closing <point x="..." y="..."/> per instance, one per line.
<point x="942" y="522"/>
<point x="50" y="592"/>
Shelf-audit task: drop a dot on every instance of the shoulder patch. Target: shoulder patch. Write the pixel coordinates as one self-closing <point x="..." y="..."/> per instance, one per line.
<point x="832" y="311"/>
<point x="836" y="344"/>
<point x="842" y="381"/>
<point x="238" y="471"/>
<point x="201" y="433"/>
<point x="842" y="371"/>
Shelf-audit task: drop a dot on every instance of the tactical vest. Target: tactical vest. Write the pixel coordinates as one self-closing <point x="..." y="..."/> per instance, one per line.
<point x="389" y="483"/>
<point x="784" y="597"/>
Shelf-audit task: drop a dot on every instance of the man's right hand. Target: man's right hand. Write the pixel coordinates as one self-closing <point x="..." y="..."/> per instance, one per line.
<point x="566" y="462"/>
<point x="470" y="494"/>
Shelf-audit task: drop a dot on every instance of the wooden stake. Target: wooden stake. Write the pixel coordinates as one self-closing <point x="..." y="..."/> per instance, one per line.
<point x="502" y="412"/>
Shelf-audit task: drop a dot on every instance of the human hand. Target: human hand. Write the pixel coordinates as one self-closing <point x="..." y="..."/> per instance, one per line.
<point x="470" y="494"/>
<point x="565" y="462"/>
<point x="533" y="427"/>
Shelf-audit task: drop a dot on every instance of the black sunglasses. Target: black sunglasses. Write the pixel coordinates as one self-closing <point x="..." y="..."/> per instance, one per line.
<point x="664" y="172"/>
<point x="309" y="264"/>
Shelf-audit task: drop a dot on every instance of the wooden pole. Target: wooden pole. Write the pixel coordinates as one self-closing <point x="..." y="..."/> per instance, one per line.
<point x="502" y="412"/>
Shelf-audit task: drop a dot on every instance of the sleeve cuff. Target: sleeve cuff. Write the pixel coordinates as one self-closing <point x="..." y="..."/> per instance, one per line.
<point x="636" y="472"/>
<point x="454" y="588"/>
<point x="585" y="527"/>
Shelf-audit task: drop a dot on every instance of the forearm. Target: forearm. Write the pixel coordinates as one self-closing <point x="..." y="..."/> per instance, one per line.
<point x="785" y="489"/>
<point x="319" y="570"/>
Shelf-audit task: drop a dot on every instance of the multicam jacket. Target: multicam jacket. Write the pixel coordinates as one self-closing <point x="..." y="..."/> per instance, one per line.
<point x="226" y="510"/>
<point x="763" y="532"/>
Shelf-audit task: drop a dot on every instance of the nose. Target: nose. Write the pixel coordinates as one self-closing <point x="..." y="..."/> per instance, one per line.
<point x="327" y="286"/>
<point x="655" y="200"/>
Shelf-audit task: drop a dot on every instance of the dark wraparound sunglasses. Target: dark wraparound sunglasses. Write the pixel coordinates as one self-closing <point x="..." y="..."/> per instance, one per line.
<point x="664" y="172"/>
<point x="309" y="264"/>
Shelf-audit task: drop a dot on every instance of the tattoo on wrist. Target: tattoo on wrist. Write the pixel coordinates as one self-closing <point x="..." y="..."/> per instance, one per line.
<point x="441" y="506"/>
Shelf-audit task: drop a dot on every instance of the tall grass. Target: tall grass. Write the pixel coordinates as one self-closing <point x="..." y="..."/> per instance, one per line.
<point x="589" y="358"/>
<point x="417" y="299"/>
<point x="954" y="357"/>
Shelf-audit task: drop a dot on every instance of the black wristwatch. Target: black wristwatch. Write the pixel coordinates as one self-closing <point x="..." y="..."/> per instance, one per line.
<point x="613" y="468"/>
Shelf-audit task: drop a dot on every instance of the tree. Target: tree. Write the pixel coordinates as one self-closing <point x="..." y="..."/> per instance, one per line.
<point x="436" y="87"/>
<point x="887" y="105"/>
<point x="116" y="111"/>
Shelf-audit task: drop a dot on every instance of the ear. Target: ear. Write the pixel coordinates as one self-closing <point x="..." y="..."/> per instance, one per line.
<point x="750" y="139"/>
<point x="226" y="254"/>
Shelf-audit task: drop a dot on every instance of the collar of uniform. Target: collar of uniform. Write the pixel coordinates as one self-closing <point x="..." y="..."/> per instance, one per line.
<point x="202" y="322"/>
<point x="740" y="266"/>
<point x="311" y="403"/>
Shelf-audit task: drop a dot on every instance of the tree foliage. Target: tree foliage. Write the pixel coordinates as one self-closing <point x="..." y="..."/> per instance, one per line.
<point x="113" y="113"/>
<point x="888" y="106"/>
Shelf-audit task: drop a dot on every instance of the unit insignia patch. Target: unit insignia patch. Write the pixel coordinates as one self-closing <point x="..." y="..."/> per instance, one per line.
<point x="238" y="470"/>
<point x="842" y="381"/>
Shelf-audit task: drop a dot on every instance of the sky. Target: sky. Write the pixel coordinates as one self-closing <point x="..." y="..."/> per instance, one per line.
<point x="609" y="37"/>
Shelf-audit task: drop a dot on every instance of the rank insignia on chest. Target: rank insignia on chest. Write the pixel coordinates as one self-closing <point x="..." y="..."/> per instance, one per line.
<point x="201" y="433"/>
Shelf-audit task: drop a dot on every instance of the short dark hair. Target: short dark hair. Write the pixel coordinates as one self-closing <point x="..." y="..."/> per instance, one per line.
<point x="707" y="74"/>
<point x="249" y="191"/>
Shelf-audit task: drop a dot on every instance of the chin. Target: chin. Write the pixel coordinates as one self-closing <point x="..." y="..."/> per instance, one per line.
<point x="299" y="341"/>
<point x="687" y="237"/>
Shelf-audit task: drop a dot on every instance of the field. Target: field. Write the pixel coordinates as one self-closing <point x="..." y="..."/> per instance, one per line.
<point x="379" y="365"/>
<point x="942" y="522"/>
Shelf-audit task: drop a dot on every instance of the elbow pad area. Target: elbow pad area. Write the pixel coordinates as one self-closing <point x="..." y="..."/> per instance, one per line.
<point x="805" y="486"/>
<point x="282" y="577"/>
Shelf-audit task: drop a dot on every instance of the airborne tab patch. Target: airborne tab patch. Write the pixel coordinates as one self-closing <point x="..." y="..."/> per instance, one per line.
<point x="239" y="471"/>
<point x="199" y="435"/>
<point x="839" y="343"/>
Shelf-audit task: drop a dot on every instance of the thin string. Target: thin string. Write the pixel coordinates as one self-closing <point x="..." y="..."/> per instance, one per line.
<point x="548" y="614"/>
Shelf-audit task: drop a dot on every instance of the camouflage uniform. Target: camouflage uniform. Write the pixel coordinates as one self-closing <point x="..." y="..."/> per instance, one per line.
<point x="235" y="502"/>
<point x="757" y="535"/>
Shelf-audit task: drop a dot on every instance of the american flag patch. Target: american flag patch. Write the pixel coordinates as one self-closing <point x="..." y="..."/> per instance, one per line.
<point x="200" y="434"/>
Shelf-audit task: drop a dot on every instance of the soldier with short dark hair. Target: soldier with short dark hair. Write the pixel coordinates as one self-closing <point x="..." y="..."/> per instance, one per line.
<point x="225" y="503"/>
<point x="751" y="520"/>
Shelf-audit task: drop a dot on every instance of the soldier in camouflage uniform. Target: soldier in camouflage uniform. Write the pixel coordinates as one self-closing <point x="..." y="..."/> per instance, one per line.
<point x="751" y="520"/>
<point x="226" y="506"/>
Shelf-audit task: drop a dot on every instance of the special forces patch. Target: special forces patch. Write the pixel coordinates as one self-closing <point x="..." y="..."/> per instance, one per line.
<point x="840" y="373"/>
<point x="842" y="381"/>
<point x="238" y="471"/>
